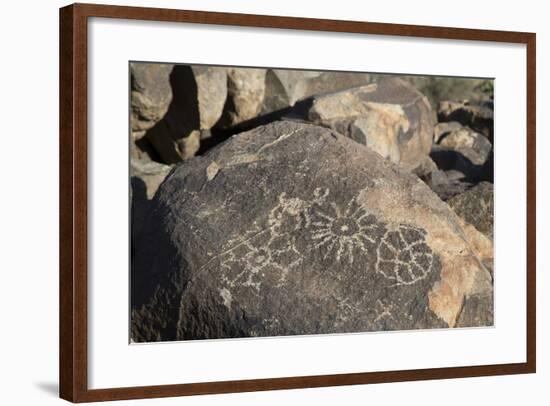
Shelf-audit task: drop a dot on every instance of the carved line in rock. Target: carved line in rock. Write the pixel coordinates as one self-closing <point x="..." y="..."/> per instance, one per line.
<point x="403" y="255"/>
<point x="331" y="231"/>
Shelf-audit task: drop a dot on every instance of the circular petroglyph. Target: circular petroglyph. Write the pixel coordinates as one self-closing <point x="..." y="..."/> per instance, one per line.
<point x="346" y="234"/>
<point x="403" y="255"/>
<point x="342" y="233"/>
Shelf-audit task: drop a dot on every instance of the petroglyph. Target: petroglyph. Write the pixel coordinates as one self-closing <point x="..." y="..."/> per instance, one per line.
<point x="342" y="232"/>
<point x="346" y="234"/>
<point x="403" y="255"/>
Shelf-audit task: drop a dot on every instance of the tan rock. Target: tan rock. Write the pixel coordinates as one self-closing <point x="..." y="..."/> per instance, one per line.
<point x="245" y="90"/>
<point x="390" y="117"/>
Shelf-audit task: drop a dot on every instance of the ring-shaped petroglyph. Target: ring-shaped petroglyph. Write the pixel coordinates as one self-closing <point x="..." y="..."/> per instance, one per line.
<point x="334" y="232"/>
<point x="403" y="255"/>
<point x="342" y="232"/>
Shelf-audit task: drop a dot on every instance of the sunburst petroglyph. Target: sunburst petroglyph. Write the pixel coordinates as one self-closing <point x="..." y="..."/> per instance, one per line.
<point x="297" y="228"/>
<point x="341" y="232"/>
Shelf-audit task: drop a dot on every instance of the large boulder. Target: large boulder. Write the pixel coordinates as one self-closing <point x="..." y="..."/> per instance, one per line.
<point x="284" y="87"/>
<point x="390" y="117"/>
<point x="293" y="228"/>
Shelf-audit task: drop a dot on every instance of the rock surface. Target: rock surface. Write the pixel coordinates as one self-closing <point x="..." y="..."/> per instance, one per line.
<point x="211" y="93"/>
<point x="477" y="308"/>
<point x="294" y="229"/>
<point x="461" y="161"/>
<point x="476" y="206"/>
<point x="390" y="117"/>
<point x="245" y="95"/>
<point x="199" y="95"/>
<point x="473" y="145"/>
<point x="150" y="175"/>
<point x="145" y="178"/>
<point x="476" y="115"/>
<point x="446" y="184"/>
<point x="283" y="87"/>
<point x="151" y="94"/>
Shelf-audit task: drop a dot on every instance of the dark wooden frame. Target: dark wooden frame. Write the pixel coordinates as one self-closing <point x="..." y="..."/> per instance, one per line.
<point x="73" y="201"/>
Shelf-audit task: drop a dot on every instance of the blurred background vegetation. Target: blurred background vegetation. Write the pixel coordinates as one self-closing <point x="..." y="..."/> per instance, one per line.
<point x="439" y="88"/>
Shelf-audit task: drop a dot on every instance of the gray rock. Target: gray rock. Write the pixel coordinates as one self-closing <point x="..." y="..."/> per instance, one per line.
<point x="294" y="229"/>
<point x="441" y="129"/>
<point x="390" y="117"/>
<point x="473" y="145"/>
<point x="477" y="308"/>
<point x="151" y="174"/>
<point x="450" y="188"/>
<point x="476" y="206"/>
<point x="464" y="160"/>
<point x="446" y="184"/>
<point x="425" y="169"/>
<point x="199" y="95"/>
<point x="285" y="87"/>
<point x="476" y="115"/>
<point x="477" y="311"/>
<point x="151" y="94"/>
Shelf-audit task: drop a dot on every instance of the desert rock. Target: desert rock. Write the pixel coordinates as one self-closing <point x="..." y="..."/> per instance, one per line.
<point x="199" y="95"/>
<point x="390" y="117"/>
<point x="295" y="229"/>
<point x="151" y="94"/>
<point x="476" y="115"/>
<point x="245" y="95"/>
<point x="473" y="145"/>
<point x="283" y="87"/>
<point x="476" y="206"/>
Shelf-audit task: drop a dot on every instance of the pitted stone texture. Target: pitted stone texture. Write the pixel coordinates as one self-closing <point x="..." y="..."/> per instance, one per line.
<point x="294" y="229"/>
<point x="476" y="206"/>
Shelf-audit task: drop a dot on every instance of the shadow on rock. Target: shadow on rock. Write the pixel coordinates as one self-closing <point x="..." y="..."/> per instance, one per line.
<point x="170" y="135"/>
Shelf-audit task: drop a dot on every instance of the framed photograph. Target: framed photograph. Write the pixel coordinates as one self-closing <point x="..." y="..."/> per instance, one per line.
<point x="254" y="202"/>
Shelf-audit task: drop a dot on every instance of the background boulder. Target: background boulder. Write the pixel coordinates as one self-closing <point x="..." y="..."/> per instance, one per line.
<point x="285" y="87"/>
<point x="245" y="95"/>
<point x="476" y="206"/>
<point x="151" y="94"/>
<point x="390" y="117"/>
<point x="478" y="115"/>
<point x="198" y="98"/>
